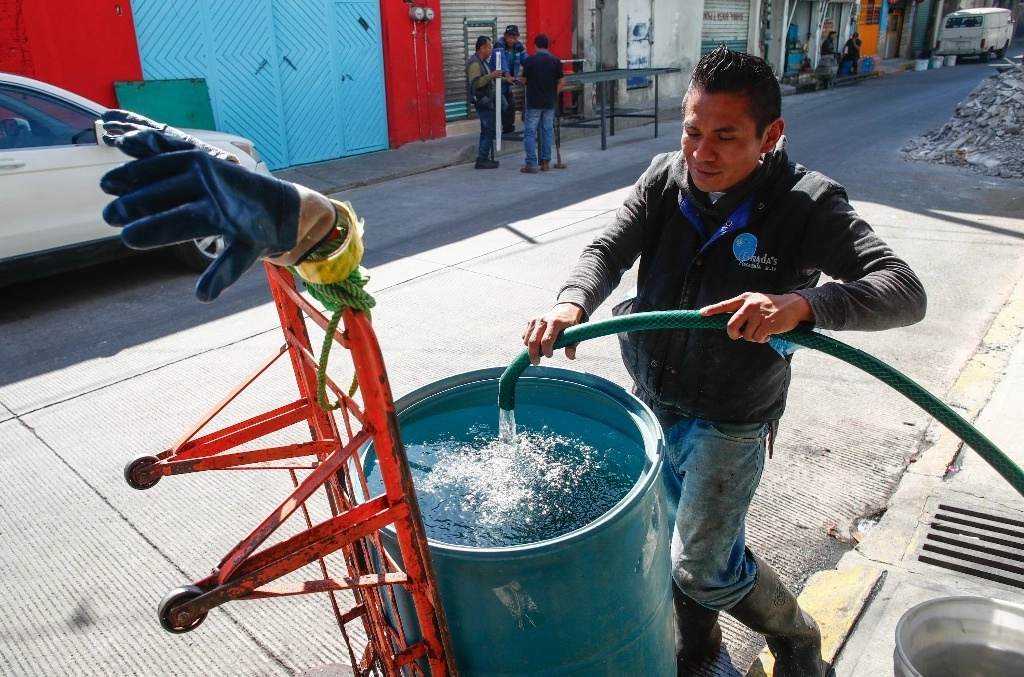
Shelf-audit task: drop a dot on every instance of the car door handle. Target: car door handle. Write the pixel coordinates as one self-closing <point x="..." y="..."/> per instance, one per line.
<point x="11" y="164"/>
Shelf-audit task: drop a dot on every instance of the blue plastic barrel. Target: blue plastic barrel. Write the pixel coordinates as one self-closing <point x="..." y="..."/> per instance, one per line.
<point x="867" y="64"/>
<point x="595" y="601"/>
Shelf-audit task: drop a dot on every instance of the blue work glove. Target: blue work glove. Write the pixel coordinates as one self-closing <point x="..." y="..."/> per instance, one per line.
<point x="176" y="193"/>
<point x="117" y="123"/>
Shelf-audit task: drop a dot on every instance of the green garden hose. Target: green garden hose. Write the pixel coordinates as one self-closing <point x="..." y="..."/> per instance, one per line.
<point x="691" y="319"/>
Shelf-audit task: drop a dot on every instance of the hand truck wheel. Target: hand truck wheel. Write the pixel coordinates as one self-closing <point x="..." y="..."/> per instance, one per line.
<point x="180" y="622"/>
<point x="136" y="475"/>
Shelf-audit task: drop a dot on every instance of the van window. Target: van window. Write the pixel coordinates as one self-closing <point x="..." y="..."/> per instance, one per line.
<point x="963" y="22"/>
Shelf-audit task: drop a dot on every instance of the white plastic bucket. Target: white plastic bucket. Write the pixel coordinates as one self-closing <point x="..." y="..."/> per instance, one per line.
<point x="962" y="636"/>
<point x="920" y="64"/>
<point x="936" y="62"/>
<point x="950" y="60"/>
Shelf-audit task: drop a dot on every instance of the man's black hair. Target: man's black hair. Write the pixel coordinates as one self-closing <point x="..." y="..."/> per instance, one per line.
<point x="541" y="41"/>
<point x="724" y="71"/>
<point x="481" y="41"/>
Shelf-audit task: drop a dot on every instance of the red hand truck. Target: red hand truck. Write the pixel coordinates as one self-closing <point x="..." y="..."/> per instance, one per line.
<point x="249" y="572"/>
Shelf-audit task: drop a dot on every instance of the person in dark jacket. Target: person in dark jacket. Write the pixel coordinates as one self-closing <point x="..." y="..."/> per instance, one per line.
<point x="482" y="92"/>
<point x="851" y="53"/>
<point x="514" y="56"/>
<point x="828" y="45"/>
<point x="730" y="225"/>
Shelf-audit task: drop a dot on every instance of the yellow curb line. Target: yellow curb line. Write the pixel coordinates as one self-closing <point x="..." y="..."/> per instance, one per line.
<point x="977" y="381"/>
<point x="835" y="599"/>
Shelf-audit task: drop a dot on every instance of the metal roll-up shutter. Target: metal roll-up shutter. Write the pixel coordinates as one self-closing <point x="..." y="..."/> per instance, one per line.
<point x="461" y="22"/>
<point x="922" y="17"/>
<point x="725" y="22"/>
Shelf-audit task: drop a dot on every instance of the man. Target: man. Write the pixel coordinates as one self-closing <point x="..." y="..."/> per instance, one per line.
<point x="513" y="58"/>
<point x="481" y="90"/>
<point x="851" y="53"/>
<point x="828" y="45"/>
<point x="544" y="76"/>
<point x="730" y="225"/>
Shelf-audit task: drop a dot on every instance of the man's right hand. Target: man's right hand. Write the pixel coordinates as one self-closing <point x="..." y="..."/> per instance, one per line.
<point x="542" y="331"/>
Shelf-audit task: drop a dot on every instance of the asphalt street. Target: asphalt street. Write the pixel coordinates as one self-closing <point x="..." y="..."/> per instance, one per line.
<point x="116" y="360"/>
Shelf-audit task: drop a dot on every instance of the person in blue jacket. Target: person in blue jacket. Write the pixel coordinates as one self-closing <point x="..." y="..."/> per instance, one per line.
<point x="513" y="56"/>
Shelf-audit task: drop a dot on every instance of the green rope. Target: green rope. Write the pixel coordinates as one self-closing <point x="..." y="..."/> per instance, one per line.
<point x="336" y="297"/>
<point x="691" y="319"/>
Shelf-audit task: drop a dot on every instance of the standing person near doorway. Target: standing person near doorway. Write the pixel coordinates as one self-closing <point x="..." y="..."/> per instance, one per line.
<point x="513" y="59"/>
<point x="851" y="53"/>
<point x="481" y="90"/>
<point x="729" y="224"/>
<point x="543" y="76"/>
<point x="828" y="45"/>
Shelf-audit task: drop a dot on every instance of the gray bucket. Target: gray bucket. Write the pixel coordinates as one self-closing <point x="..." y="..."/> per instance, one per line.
<point x="960" y="637"/>
<point x="593" y="602"/>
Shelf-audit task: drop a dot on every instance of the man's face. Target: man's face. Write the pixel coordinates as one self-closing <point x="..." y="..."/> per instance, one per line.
<point x="486" y="50"/>
<point x="510" y="38"/>
<point x="720" y="140"/>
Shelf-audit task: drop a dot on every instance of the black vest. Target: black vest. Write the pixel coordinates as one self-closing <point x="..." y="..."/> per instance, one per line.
<point x="702" y="372"/>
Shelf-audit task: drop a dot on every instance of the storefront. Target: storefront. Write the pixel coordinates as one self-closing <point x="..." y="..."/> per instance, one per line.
<point x="726" y="22"/>
<point x="807" y="23"/>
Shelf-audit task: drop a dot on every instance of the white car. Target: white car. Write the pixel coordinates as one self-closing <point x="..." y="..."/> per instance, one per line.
<point x="51" y="161"/>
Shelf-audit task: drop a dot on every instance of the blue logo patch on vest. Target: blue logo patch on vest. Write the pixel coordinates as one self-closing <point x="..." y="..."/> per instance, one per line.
<point x="744" y="247"/>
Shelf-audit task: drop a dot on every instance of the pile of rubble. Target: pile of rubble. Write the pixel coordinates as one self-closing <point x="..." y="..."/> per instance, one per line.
<point x="986" y="132"/>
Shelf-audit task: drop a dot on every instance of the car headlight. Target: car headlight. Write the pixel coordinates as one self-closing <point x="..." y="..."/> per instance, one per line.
<point x="249" y="149"/>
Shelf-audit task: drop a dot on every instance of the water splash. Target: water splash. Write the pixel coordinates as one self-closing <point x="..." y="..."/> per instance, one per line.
<point x="485" y="492"/>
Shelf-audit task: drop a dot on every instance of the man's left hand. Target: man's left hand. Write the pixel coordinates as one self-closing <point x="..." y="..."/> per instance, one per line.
<point x="175" y="192"/>
<point x="757" y="316"/>
<point x="117" y="123"/>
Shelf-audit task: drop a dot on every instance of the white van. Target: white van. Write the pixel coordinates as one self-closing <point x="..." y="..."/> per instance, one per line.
<point x="978" y="32"/>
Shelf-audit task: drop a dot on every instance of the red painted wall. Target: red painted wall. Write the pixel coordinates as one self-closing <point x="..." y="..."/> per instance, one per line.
<point x="413" y="72"/>
<point x="80" y="45"/>
<point x="553" y="18"/>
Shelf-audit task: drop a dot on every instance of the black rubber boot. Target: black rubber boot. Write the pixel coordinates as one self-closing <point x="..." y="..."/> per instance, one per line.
<point x="698" y="634"/>
<point x="771" y="609"/>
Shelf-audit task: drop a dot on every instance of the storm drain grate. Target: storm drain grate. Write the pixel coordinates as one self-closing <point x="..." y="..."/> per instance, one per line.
<point x="976" y="543"/>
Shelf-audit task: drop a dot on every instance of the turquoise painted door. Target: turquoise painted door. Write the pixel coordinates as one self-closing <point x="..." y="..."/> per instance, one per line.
<point x="304" y="79"/>
<point x="309" y="100"/>
<point x="246" y="92"/>
<point x="359" y="64"/>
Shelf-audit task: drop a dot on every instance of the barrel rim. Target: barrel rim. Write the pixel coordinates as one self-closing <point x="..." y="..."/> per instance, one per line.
<point x="642" y="416"/>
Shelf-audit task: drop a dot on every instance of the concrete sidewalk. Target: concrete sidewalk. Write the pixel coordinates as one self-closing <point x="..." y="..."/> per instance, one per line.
<point x="859" y="603"/>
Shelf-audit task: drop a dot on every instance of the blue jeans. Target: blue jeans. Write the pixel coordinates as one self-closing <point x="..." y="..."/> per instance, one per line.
<point x="487" y="127"/>
<point x="710" y="476"/>
<point x="546" y="118"/>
